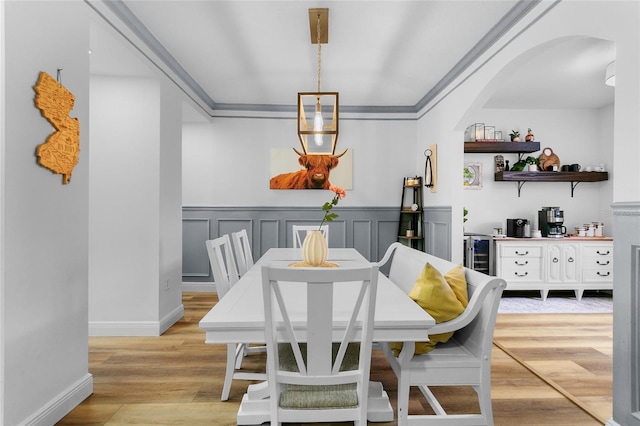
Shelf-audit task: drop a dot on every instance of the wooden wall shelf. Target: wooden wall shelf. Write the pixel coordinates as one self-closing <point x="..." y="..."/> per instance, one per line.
<point x="541" y="176"/>
<point x="574" y="177"/>
<point x="501" y="147"/>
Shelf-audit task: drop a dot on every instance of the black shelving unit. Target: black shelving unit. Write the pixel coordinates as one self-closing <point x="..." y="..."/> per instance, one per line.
<point x="411" y="224"/>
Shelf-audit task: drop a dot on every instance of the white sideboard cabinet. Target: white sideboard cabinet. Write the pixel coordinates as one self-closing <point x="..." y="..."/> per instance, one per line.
<point x="546" y="264"/>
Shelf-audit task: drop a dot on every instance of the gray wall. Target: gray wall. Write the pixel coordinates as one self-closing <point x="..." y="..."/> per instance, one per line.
<point x="368" y="229"/>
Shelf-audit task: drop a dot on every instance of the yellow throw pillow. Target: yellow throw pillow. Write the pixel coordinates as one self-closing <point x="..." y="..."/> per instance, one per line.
<point x="458" y="282"/>
<point x="432" y="292"/>
<point x="438" y="296"/>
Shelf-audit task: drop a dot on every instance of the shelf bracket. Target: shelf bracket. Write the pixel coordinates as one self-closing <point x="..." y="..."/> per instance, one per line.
<point x="573" y="186"/>
<point x="520" y="185"/>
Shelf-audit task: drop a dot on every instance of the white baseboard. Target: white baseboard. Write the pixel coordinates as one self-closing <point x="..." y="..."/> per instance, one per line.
<point x="199" y="287"/>
<point x="135" y="328"/>
<point x="124" y="328"/>
<point x="62" y="404"/>
<point x="612" y="422"/>
<point x="172" y="318"/>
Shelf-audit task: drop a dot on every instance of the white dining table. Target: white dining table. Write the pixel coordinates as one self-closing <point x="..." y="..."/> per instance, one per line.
<point x="239" y="318"/>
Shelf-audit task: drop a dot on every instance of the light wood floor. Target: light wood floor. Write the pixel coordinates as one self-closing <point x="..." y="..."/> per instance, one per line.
<point x="176" y="379"/>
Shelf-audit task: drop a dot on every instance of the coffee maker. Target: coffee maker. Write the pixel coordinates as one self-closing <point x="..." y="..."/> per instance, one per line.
<point x="550" y="220"/>
<point x="518" y="228"/>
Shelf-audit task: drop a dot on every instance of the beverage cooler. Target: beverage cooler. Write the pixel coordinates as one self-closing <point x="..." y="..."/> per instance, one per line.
<point x="479" y="253"/>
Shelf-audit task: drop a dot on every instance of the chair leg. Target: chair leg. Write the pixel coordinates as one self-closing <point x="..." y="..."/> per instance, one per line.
<point x="241" y="351"/>
<point x="403" y="398"/>
<point x="484" y="399"/>
<point x="228" y="375"/>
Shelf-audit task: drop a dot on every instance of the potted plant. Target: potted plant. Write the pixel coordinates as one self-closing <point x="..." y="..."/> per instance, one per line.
<point x="532" y="163"/>
<point x="465" y="212"/>
<point x="515" y="136"/>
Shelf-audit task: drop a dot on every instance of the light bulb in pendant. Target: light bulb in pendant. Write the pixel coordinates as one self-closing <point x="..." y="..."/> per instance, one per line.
<point x="318" y="124"/>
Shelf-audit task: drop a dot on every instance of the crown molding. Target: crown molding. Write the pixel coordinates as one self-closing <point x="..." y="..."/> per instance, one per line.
<point x="202" y="98"/>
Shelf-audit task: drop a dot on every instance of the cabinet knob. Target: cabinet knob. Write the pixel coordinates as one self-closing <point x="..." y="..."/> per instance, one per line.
<point x="521" y="275"/>
<point x="570" y="260"/>
<point x="603" y="253"/>
<point x="602" y="263"/>
<point x="554" y="260"/>
<point x="526" y="262"/>
<point x="522" y="254"/>
<point x="601" y="274"/>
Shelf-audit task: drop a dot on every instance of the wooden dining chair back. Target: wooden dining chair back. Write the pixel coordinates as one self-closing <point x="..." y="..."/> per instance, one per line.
<point x="465" y="360"/>
<point x="225" y="275"/>
<point x="300" y="232"/>
<point x="318" y="369"/>
<point x="242" y="249"/>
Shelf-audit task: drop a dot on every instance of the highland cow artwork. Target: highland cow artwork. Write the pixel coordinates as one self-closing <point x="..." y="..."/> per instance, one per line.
<point x="292" y="169"/>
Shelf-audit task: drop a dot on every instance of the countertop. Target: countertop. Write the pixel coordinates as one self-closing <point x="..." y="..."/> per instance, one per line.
<point x="567" y="238"/>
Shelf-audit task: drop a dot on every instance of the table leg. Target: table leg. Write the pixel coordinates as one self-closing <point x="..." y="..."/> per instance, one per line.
<point x="379" y="408"/>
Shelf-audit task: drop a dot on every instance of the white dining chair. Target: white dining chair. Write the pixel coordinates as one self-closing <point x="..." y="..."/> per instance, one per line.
<point x="323" y="375"/>
<point x="223" y="264"/>
<point x="225" y="275"/>
<point x="242" y="249"/>
<point x="300" y="231"/>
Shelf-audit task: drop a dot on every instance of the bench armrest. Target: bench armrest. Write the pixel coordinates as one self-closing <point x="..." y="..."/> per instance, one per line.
<point x="387" y="255"/>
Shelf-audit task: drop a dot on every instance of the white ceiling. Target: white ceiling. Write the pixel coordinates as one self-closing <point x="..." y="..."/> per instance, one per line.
<point x="387" y="54"/>
<point x="566" y="74"/>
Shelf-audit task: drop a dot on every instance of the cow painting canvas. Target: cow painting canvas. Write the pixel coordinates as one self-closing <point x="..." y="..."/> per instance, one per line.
<point x="292" y="169"/>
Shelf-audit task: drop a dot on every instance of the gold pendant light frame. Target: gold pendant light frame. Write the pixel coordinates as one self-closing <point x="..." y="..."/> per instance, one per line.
<point x="315" y="140"/>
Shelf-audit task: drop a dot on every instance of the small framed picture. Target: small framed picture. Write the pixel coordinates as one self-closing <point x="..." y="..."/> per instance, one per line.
<point x="472" y="176"/>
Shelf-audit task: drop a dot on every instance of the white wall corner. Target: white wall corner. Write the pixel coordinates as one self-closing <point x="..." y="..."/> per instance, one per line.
<point x="62" y="404"/>
<point x="135" y="328"/>
<point x="172" y="318"/>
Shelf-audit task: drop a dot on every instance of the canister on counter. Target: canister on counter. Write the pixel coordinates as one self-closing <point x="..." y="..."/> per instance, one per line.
<point x="599" y="229"/>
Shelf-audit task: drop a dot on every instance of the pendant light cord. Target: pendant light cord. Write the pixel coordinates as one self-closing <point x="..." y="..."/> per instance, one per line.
<point x="319" y="50"/>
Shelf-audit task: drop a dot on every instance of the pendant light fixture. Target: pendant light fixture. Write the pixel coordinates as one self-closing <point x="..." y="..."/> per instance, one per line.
<point x="319" y="135"/>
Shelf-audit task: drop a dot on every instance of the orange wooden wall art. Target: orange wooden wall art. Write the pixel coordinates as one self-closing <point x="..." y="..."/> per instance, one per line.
<point x="59" y="153"/>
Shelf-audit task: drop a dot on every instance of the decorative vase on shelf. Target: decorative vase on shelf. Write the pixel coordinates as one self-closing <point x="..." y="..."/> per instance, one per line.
<point x="529" y="137"/>
<point x="314" y="248"/>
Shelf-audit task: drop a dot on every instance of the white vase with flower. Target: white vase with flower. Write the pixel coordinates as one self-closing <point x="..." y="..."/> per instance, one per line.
<point x="314" y="246"/>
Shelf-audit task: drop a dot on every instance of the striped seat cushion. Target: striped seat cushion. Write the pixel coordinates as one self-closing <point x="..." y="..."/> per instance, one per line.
<point x="319" y="397"/>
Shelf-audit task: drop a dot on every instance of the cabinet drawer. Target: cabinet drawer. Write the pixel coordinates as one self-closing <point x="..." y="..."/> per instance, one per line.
<point x="522" y="251"/>
<point x="598" y="251"/>
<point x="600" y="262"/>
<point x="525" y="269"/>
<point x="597" y="275"/>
